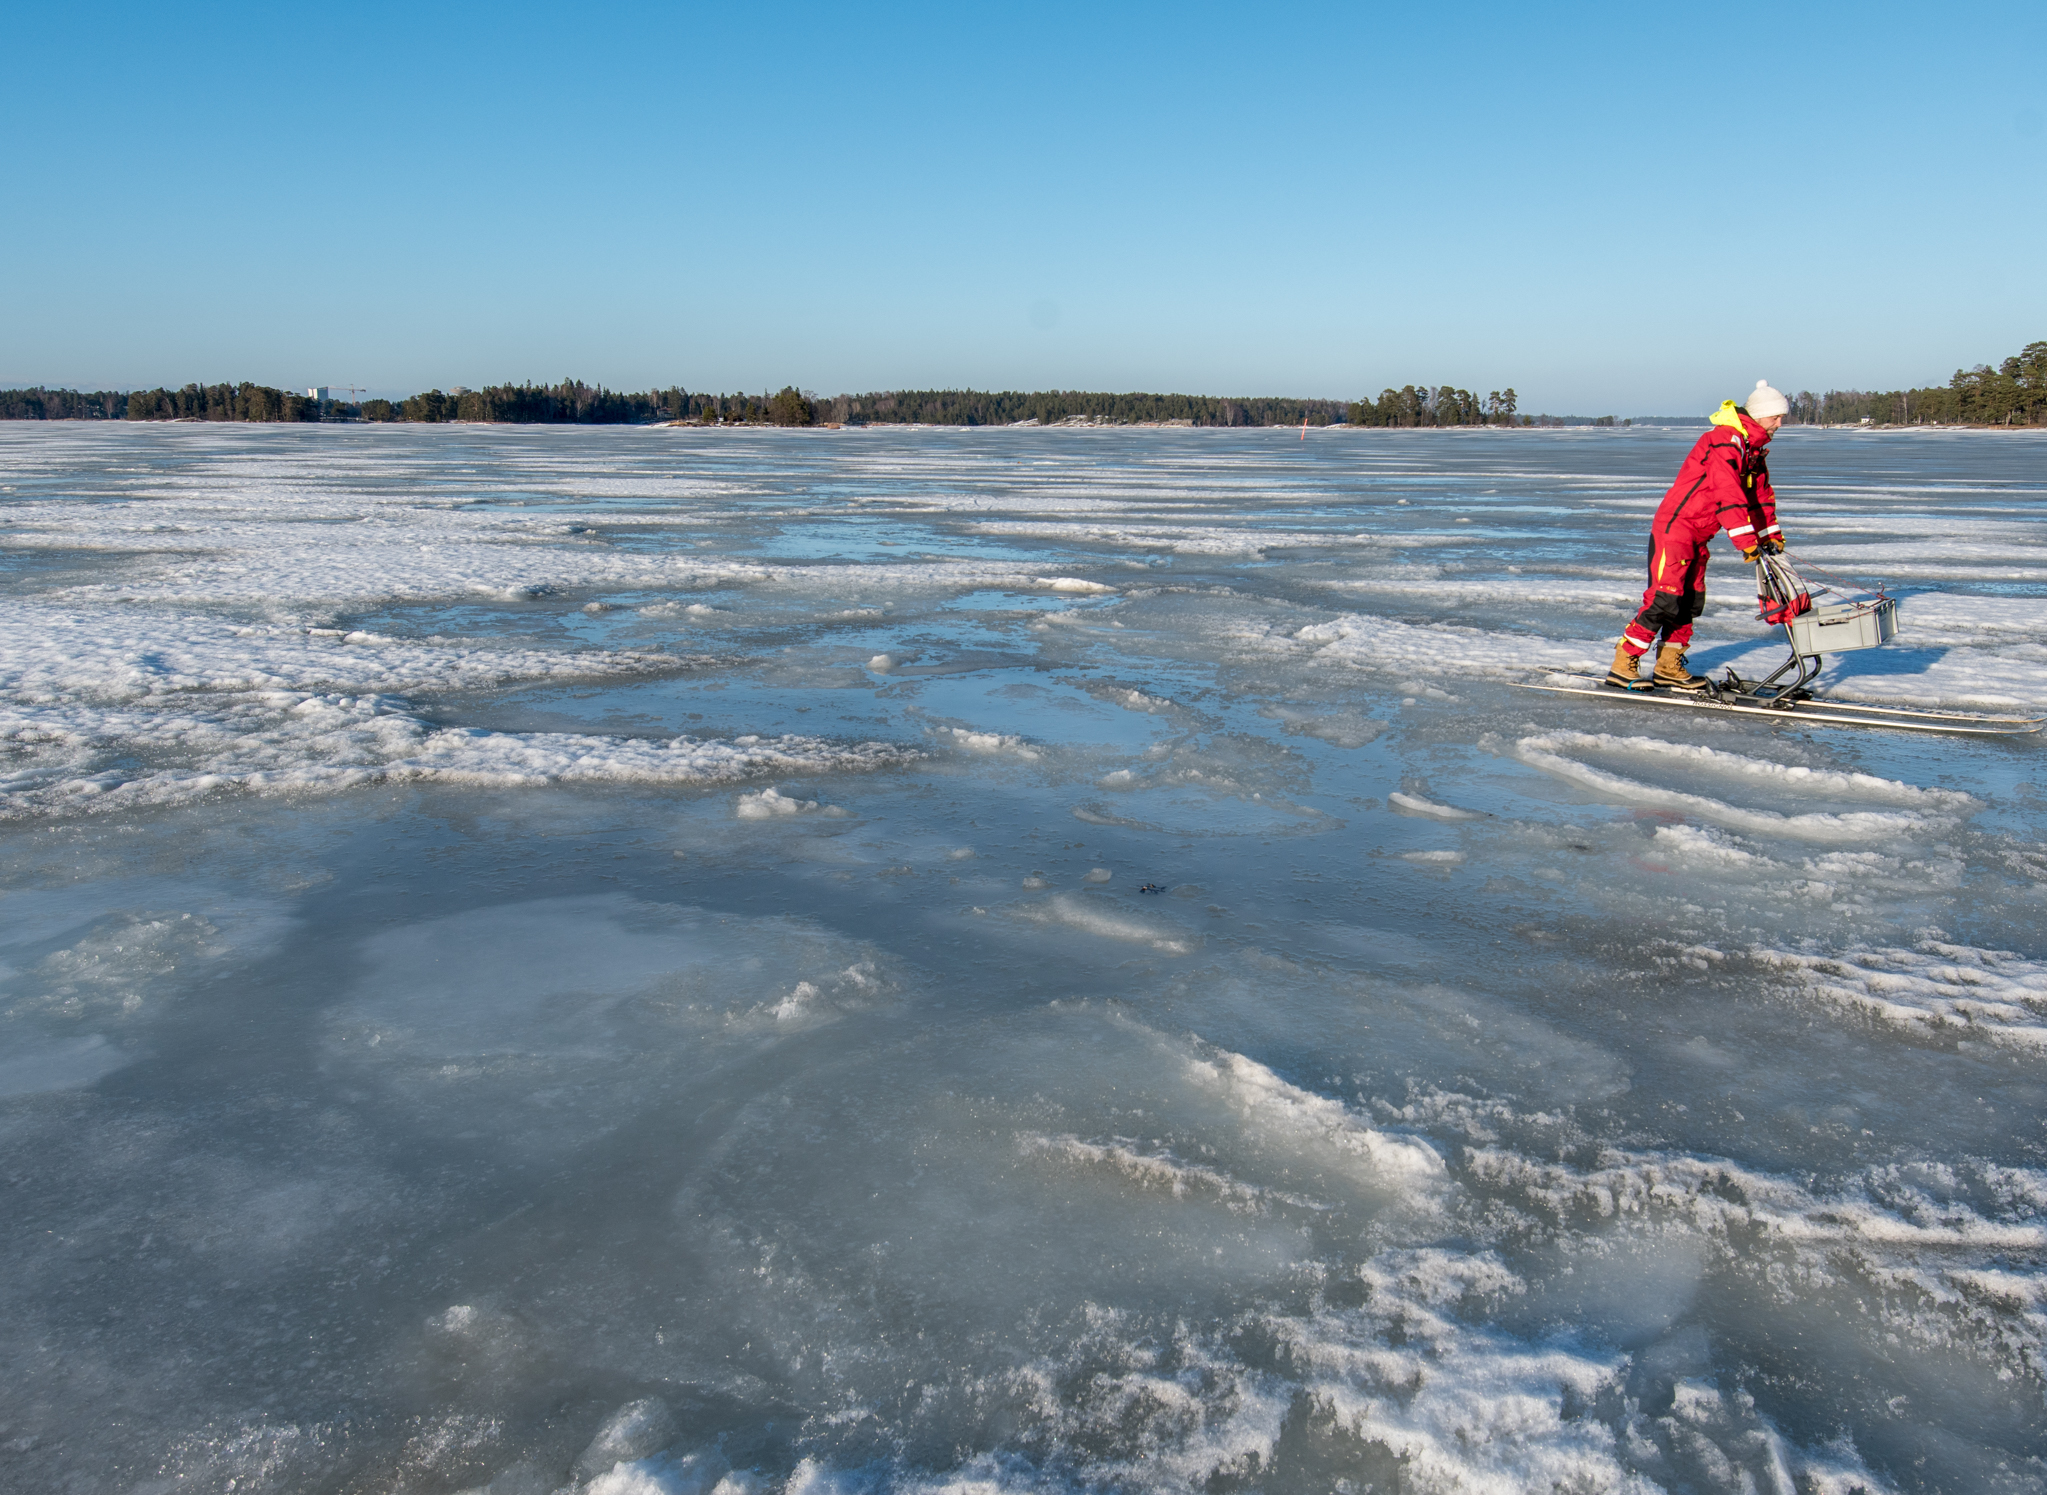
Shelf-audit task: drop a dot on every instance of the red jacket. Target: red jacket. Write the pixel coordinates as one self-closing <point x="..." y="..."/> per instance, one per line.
<point x="1724" y="484"/>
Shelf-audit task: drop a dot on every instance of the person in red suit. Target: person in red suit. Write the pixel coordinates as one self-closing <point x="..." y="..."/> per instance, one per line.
<point x="1723" y="485"/>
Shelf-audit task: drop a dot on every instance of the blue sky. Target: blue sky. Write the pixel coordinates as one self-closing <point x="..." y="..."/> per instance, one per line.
<point x="1611" y="208"/>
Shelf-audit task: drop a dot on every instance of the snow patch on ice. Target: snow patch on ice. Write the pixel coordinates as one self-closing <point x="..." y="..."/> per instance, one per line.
<point x="769" y="803"/>
<point x="1149" y="1170"/>
<point x="1700" y="847"/>
<point x="634" y="1431"/>
<point x="988" y="743"/>
<point x="1716" y="1196"/>
<point x="1100" y="917"/>
<point x="81" y="760"/>
<point x="1938" y="990"/>
<point x="706" y="1471"/>
<point x="132" y="708"/>
<point x="52" y="655"/>
<point x="1271" y="1104"/>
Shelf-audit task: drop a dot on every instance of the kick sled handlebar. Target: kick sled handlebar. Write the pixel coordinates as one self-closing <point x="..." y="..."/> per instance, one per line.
<point x="1861" y="618"/>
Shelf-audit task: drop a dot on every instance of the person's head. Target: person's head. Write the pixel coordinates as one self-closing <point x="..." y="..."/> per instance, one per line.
<point x="1766" y="407"/>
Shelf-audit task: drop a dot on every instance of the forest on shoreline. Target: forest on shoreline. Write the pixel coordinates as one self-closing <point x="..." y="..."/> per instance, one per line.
<point x="572" y="402"/>
<point x="2013" y="393"/>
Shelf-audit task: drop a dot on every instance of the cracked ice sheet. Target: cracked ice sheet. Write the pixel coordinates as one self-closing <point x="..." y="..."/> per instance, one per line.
<point x="124" y="654"/>
<point x="71" y="761"/>
<point x="210" y="706"/>
<point x="303" y="560"/>
<point x="1486" y="1131"/>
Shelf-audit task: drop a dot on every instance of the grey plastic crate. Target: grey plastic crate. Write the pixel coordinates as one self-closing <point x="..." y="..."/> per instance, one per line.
<point x="1835" y="626"/>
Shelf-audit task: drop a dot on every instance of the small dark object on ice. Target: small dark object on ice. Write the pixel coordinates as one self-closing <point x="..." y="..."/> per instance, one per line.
<point x="1151" y="887"/>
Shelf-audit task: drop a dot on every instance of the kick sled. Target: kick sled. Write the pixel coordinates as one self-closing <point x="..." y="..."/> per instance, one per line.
<point x="1854" y="618"/>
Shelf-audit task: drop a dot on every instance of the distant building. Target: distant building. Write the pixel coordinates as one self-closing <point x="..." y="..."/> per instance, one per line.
<point x="458" y="389"/>
<point x="319" y="394"/>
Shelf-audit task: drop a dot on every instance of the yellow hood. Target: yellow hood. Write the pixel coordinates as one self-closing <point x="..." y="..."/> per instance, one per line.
<point x="1729" y="414"/>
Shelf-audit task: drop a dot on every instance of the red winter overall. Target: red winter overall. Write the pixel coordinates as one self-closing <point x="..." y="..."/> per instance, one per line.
<point x="1724" y="484"/>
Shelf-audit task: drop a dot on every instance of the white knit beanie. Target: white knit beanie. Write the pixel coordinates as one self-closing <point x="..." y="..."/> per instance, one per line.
<point x="1764" y="400"/>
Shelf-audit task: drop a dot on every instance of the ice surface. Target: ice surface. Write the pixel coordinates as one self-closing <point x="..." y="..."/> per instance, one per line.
<point x="34" y="1065"/>
<point x="656" y="962"/>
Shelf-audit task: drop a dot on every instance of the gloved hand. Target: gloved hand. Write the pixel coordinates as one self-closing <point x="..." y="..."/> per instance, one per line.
<point x="1752" y="554"/>
<point x="1772" y="545"/>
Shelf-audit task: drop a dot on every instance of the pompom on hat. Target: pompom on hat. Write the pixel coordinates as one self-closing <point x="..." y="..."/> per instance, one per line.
<point x="1764" y="400"/>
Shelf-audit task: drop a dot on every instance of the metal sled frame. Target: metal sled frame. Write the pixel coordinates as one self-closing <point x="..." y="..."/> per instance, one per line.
<point x="1779" y="583"/>
<point x="1766" y="691"/>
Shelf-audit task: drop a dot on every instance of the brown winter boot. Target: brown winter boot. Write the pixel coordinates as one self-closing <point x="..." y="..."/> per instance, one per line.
<point x="1672" y="671"/>
<point x="1626" y="672"/>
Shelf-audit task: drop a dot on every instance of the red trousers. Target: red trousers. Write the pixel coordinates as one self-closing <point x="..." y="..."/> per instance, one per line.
<point x="1675" y="596"/>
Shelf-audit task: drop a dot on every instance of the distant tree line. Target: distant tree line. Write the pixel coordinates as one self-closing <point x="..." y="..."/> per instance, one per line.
<point x="968" y="407"/>
<point x="61" y="404"/>
<point x="2012" y="394"/>
<point x="573" y="402"/>
<point x="1419" y="405"/>
<point x="256" y="402"/>
<point x="194" y="402"/>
